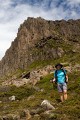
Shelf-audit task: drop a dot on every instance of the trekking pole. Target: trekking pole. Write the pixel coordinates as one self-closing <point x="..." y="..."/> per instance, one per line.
<point x="52" y="81"/>
<point x="53" y="85"/>
<point x="52" y="88"/>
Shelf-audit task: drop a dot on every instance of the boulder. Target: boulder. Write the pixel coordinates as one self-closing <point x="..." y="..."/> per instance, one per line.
<point x="0" y="101"/>
<point x="32" y="97"/>
<point x="12" y="98"/>
<point x="46" y="105"/>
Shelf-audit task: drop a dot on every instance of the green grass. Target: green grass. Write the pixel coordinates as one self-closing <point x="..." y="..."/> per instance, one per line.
<point x="69" y="108"/>
<point x="19" y="92"/>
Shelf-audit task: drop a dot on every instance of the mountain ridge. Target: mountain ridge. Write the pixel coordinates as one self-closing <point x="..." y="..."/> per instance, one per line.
<point x="40" y="39"/>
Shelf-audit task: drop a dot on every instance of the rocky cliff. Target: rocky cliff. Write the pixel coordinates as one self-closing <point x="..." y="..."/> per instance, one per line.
<point x="37" y="40"/>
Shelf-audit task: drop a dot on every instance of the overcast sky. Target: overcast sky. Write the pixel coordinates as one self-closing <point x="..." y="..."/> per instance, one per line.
<point x="14" y="12"/>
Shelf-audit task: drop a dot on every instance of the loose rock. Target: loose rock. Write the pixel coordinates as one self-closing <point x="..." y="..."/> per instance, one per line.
<point x="46" y="105"/>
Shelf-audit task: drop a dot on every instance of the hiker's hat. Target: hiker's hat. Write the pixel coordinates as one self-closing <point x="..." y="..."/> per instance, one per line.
<point x="58" y="65"/>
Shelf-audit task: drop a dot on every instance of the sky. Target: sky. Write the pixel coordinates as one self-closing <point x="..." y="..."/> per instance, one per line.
<point x="14" y="12"/>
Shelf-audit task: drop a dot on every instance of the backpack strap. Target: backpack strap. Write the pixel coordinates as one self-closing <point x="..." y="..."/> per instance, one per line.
<point x="64" y="74"/>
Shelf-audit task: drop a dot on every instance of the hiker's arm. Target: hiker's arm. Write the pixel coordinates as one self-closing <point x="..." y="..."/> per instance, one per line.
<point x="66" y="78"/>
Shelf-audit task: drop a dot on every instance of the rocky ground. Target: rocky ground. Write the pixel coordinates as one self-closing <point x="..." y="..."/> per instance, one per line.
<point x="40" y="101"/>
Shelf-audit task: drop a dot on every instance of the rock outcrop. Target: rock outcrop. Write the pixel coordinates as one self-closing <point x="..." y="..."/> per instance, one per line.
<point x="37" y="40"/>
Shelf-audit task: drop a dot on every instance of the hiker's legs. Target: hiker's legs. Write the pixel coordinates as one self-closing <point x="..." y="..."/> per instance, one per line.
<point x="65" y="91"/>
<point x="60" y="90"/>
<point x="65" y="94"/>
<point x="61" y="96"/>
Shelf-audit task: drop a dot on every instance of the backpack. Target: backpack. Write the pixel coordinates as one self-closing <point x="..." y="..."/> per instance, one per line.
<point x="56" y="75"/>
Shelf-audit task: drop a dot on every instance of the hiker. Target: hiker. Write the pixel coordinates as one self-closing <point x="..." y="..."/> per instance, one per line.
<point x="61" y="79"/>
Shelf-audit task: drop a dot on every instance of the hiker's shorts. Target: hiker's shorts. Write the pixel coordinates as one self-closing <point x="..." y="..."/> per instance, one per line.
<point x="62" y="87"/>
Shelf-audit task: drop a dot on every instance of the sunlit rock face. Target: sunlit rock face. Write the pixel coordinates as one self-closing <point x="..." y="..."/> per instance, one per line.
<point x="37" y="40"/>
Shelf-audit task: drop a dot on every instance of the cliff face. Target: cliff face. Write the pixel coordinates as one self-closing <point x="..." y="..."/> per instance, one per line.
<point x="38" y="40"/>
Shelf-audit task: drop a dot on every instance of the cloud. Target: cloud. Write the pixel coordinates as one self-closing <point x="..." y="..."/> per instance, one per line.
<point x="73" y="2"/>
<point x="13" y="13"/>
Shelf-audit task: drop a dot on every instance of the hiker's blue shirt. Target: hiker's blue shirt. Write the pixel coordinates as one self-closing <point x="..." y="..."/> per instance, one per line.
<point x="60" y="76"/>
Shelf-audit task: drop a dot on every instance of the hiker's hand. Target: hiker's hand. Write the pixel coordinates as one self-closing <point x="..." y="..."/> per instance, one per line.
<point x="53" y="80"/>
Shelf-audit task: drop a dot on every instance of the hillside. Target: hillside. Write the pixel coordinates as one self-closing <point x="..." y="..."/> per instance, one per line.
<point x="28" y="66"/>
<point x="41" y="40"/>
<point x="28" y="101"/>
